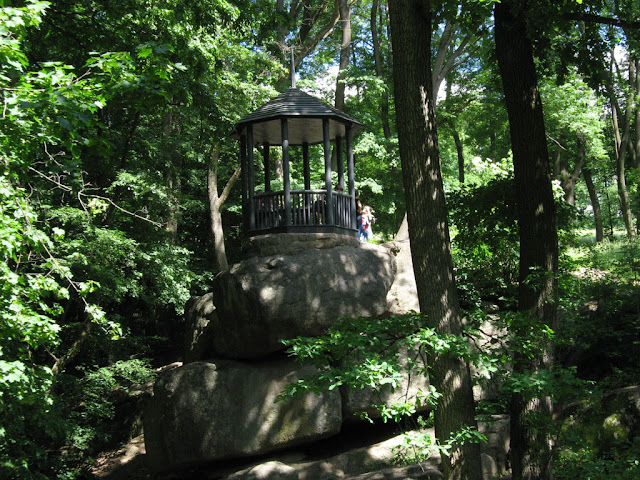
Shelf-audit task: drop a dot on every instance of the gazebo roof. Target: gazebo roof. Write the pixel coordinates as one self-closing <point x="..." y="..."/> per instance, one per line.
<point x="307" y="113"/>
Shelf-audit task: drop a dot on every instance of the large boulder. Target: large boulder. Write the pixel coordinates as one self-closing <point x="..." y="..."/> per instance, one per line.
<point x="262" y="300"/>
<point x="207" y="411"/>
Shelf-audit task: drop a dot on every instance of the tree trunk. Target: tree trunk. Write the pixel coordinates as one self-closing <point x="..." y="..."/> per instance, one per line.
<point x="171" y="128"/>
<point x="377" y="57"/>
<point x="345" y="45"/>
<point x="458" y="142"/>
<point x="623" y="196"/>
<point x="428" y="228"/>
<point x="595" y="204"/>
<point x="622" y="142"/>
<point x="569" y="180"/>
<point x="636" y="157"/>
<point x="531" y="443"/>
<point x="215" y="205"/>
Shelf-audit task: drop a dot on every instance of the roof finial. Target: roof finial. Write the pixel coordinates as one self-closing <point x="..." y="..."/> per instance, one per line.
<point x="293" y="70"/>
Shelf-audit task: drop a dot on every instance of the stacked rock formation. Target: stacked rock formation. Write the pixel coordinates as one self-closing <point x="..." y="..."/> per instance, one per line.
<point x="223" y="403"/>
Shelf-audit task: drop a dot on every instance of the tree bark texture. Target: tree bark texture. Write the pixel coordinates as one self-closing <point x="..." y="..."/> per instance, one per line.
<point x="531" y="446"/>
<point x="428" y="228"/>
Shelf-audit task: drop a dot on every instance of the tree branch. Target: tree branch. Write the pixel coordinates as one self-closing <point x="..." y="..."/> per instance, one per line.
<point x="591" y="18"/>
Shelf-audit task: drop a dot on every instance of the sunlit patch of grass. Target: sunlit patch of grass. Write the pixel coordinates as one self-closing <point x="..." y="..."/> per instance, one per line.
<point x="619" y="257"/>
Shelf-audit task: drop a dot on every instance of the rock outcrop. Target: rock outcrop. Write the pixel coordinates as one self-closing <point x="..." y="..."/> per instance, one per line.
<point x="207" y="411"/>
<point x="221" y="404"/>
<point x="263" y="300"/>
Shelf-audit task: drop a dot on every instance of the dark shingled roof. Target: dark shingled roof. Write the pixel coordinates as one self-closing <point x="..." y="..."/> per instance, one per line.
<point x="306" y="113"/>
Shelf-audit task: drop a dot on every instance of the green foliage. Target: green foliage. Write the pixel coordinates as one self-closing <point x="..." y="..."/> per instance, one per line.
<point x="374" y="353"/>
<point x="485" y="246"/>
<point x="358" y="353"/>
<point x="34" y="284"/>
<point x="419" y="445"/>
<point x="582" y="452"/>
<point x="581" y="462"/>
<point x="91" y="410"/>
<point x="600" y="304"/>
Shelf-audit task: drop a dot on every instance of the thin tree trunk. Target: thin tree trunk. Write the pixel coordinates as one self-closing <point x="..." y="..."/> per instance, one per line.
<point x="595" y="204"/>
<point x="459" y="150"/>
<point x="531" y="443"/>
<point x="215" y="205"/>
<point x="428" y="228"/>
<point x="171" y="128"/>
<point x="377" y="57"/>
<point x="458" y="142"/>
<point x="606" y="191"/>
<point x="345" y="45"/>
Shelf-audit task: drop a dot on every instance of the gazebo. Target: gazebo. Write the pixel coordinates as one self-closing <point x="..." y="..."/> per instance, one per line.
<point x="297" y="119"/>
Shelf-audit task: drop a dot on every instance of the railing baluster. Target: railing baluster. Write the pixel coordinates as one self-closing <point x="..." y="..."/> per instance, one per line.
<point x="307" y="208"/>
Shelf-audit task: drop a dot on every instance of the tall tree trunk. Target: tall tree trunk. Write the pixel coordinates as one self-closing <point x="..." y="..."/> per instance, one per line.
<point x="636" y="156"/>
<point x="215" y="205"/>
<point x="622" y="141"/>
<point x="595" y="204"/>
<point x="456" y="139"/>
<point x="171" y="128"/>
<point x="531" y="444"/>
<point x="428" y="228"/>
<point x="606" y="192"/>
<point x="459" y="149"/>
<point x="345" y="45"/>
<point x="377" y="58"/>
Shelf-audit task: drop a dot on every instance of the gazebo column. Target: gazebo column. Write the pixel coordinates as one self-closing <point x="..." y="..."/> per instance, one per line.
<point x="339" y="161"/>
<point x="267" y="167"/>
<point x="308" y="201"/>
<point x="327" y="173"/>
<point x="285" y="169"/>
<point x="351" y="175"/>
<point x="251" y="180"/>
<point x="307" y="168"/>
<point x="244" y="177"/>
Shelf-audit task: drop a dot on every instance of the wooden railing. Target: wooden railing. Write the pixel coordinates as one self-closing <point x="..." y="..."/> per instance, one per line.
<point x="308" y="208"/>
